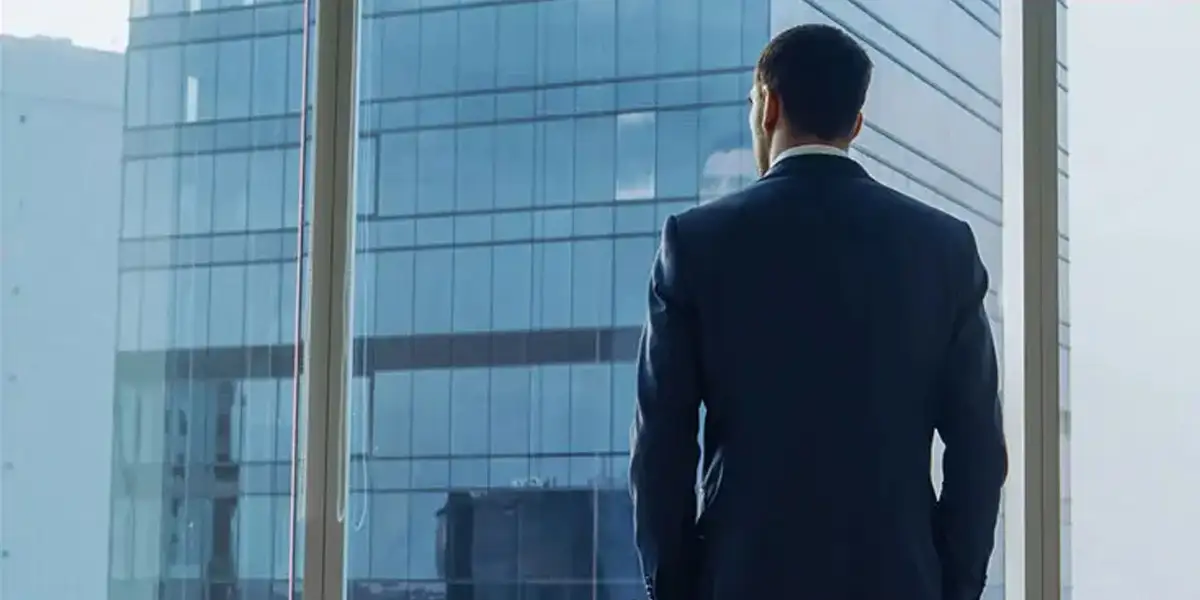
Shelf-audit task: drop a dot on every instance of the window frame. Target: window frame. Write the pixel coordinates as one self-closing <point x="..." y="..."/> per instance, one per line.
<point x="1032" y="374"/>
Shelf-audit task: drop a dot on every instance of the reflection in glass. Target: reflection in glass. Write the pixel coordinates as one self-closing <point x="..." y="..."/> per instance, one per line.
<point x="202" y="489"/>
<point x="516" y="162"/>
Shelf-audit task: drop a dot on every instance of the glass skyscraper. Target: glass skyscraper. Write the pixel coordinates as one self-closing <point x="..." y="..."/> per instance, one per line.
<point x="515" y="160"/>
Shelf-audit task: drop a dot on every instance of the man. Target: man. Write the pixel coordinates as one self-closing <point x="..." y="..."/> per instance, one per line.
<point x="829" y="325"/>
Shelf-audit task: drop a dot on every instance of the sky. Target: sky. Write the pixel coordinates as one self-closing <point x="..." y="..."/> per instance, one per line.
<point x="99" y="24"/>
<point x="1134" y="223"/>
<point x="1134" y="118"/>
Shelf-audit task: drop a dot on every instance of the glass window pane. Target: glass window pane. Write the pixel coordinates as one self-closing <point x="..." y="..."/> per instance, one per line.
<point x="269" y="89"/>
<point x="192" y="291"/>
<point x="510" y="416"/>
<point x="255" y="521"/>
<point x="721" y="29"/>
<point x="512" y="287"/>
<point x="472" y="289"/>
<point x="438" y="53"/>
<point x="631" y="278"/>
<point x="514" y="165"/>
<point x="264" y="405"/>
<point x="392" y="419"/>
<point x="516" y="57"/>
<point x="431" y="413"/>
<point x="196" y="179"/>
<point x="558" y="168"/>
<point x="435" y="172"/>
<point x="391" y="537"/>
<point x="264" y="293"/>
<point x="592" y="283"/>
<point x="395" y="294"/>
<point x="398" y="182"/>
<point x="552" y="410"/>
<point x="636" y="38"/>
<point x="165" y="7"/>
<point x="677" y="175"/>
<point x="725" y="159"/>
<point x="469" y="413"/>
<point x="230" y="202"/>
<point x="516" y="162"/>
<point x="476" y="179"/>
<point x="595" y="37"/>
<point x="424" y="527"/>
<point x="145" y="441"/>
<point x="295" y="72"/>
<point x="165" y="86"/>
<point x="400" y="46"/>
<point x="678" y="36"/>
<point x="595" y="148"/>
<point x="552" y="305"/>
<point x="234" y="76"/>
<point x="200" y="82"/>
<point x="635" y="155"/>
<point x="556" y="39"/>
<point x="155" y="310"/>
<point x="227" y="308"/>
<point x="161" y="197"/>
<point x="477" y="48"/>
<point x="433" y="288"/>
<point x="265" y="201"/>
<point x="591" y="408"/>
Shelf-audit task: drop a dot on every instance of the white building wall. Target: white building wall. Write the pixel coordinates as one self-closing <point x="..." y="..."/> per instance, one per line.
<point x="60" y="153"/>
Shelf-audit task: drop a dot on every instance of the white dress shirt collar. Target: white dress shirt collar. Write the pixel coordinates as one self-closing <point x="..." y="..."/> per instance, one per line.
<point x="809" y="149"/>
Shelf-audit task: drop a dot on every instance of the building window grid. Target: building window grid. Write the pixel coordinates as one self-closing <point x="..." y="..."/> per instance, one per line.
<point x="493" y="258"/>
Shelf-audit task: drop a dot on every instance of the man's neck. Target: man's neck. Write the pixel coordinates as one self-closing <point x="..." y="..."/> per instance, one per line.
<point x="808" y="148"/>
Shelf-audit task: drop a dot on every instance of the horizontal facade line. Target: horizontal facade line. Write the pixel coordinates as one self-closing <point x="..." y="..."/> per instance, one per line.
<point x="911" y="70"/>
<point x="380" y="14"/>
<point x="653" y="77"/>
<point x="376" y="354"/>
<point x="547" y="118"/>
<point x="375" y="491"/>
<point x="662" y="77"/>
<point x="390" y="353"/>
<point x="387" y="249"/>
<point x="525" y="581"/>
<point x="269" y="4"/>
<point x="913" y="43"/>
<point x="213" y="39"/>
<point x="373" y="458"/>
<point x="366" y="219"/>
<point x="974" y="17"/>
<point x="223" y="10"/>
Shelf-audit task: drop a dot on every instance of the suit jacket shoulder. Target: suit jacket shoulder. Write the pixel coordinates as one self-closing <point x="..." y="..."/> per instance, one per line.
<point x="871" y="199"/>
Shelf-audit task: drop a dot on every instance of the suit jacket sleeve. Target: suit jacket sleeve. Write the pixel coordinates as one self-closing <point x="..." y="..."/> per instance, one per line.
<point x="665" y="452"/>
<point x="969" y="422"/>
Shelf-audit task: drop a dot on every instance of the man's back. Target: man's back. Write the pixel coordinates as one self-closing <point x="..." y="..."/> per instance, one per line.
<point x="829" y="325"/>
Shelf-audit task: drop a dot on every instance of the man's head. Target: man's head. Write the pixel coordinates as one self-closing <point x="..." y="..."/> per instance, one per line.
<point x="809" y="87"/>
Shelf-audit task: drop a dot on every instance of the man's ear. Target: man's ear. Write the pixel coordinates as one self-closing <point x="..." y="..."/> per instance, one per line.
<point x="858" y="125"/>
<point x="772" y="110"/>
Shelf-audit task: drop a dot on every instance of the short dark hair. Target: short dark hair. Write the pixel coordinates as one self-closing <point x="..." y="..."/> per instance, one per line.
<point x="820" y="75"/>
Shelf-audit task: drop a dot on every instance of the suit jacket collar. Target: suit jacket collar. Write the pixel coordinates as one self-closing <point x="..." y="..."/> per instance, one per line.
<point x="817" y="165"/>
<point x="808" y="149"/>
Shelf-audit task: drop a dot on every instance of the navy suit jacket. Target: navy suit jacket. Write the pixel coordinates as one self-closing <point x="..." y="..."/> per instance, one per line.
<point x="828" y="325"/>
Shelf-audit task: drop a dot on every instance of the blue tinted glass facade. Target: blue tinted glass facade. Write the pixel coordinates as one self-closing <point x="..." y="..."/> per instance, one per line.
<point x="515" y="161"/>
